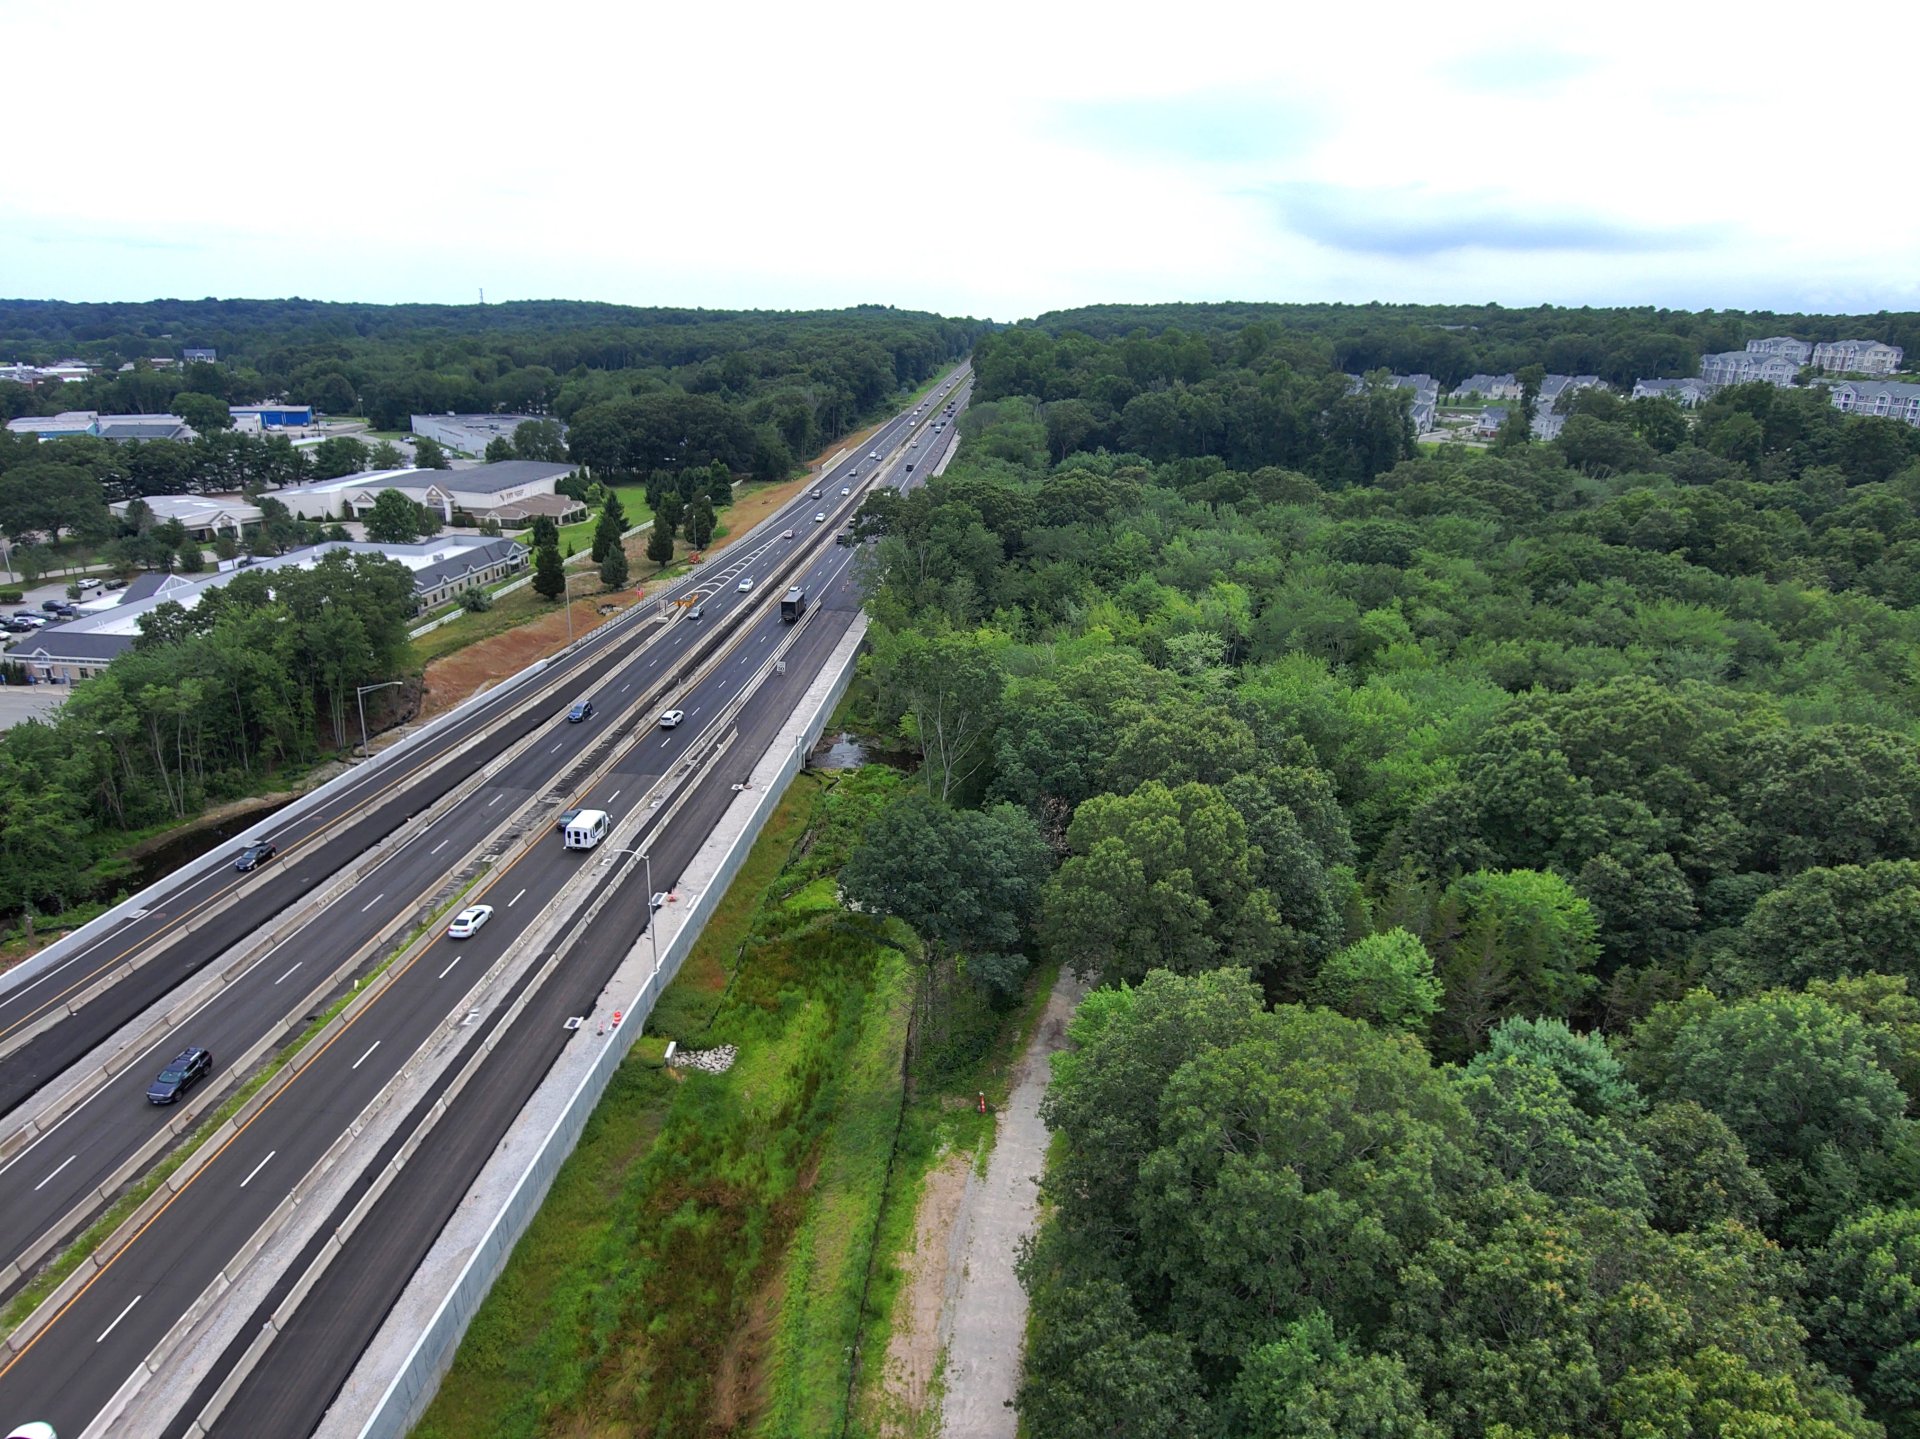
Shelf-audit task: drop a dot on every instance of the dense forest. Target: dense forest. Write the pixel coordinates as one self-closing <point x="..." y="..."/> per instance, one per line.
<point x="1500" y="869"/>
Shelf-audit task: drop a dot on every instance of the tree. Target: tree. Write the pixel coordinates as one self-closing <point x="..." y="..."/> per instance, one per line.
<point x="394" y="519"/>
<point x="606" y="534"/>
<point x="1798" y="1081"/>
<point x="966" y="881"/>
<point x="1864" y="1312"/>
<point x="1160" y="879"/>
<point x="613" y="569"/>
<point x="1310" y="1385"/>
<point x="1701" y="1175"/>
<point x="1274" y="1193"/>
<point x="946" y="690"/>
<point x="49" y="499"/>
<point x="1385" y="978"/>
<point x="1104" y="1098"/>
<point x="428" y="454"/>
<point x="1826" y="923"/>
<point x="700" y="522"/>
<point x="1093" y="1371"/>
<point x="499" y="450"/>
<point x="539" y="440"/>
<point x="659" y="543"/>
<point x="1530" y="1129"/>
<point x="385" y="455"/>
<point x="204" y="412"/>
<point x="549" y="576"/>
<point x="337" y="456"/>
<point x="1513" y="942"/>
<point x="545" y="533"/>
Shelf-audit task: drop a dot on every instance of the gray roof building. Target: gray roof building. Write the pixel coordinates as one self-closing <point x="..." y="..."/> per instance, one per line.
<point x="107" y="628"/>
<point x="1686" y="393"/>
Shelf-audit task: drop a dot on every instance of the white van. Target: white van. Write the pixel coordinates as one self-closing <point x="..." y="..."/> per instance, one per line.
<point x="586" y="829"/>
<point x="91" y="586"/>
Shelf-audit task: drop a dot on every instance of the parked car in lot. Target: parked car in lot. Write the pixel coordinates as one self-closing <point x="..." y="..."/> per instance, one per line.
<point x="672" y="718"/>
<point x="580" y="711"/>
<point x="188" y="1068"/>
<point x="467" y="923"/>
<point x="255" y="855"/>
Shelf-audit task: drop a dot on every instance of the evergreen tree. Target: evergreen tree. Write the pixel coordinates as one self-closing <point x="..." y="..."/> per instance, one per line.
<point x="549" y="579"/>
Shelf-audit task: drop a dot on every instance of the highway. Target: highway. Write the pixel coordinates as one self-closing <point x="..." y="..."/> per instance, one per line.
<point x="53" y="1178"/>
<point x="83" y="1355"/>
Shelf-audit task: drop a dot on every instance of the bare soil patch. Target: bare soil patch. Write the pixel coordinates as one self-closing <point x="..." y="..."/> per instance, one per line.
<point x="913" y="1349"/>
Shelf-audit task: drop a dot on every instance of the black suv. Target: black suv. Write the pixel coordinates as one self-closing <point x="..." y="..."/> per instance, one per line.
<point x="192" y="1066"/>
<point x="255" y="855"/>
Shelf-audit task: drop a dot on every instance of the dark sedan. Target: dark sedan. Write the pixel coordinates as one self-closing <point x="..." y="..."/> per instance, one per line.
<point x="255" y="855"/>
<point x="187" y="1070"/>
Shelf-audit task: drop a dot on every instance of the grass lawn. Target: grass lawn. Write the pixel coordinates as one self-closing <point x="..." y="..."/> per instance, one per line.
<point x="508" y="611"/>
<point x="646" y="1298"/>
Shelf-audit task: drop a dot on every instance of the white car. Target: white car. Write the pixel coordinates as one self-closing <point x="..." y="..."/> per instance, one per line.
<point x="788" y="535"/>
<point x="820" y="518"/>
<point x="672" y="718"/>
<point x="873" y="454"/>
<point x="846" y="489"/>
<point x="746" y="584"/>
<point x="467" y="923"/>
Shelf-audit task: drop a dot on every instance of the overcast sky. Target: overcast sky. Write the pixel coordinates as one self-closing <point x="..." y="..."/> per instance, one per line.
<point x="987" y="159"/>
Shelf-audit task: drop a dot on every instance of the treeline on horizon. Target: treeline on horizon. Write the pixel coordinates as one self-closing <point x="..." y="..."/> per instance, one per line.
<point x="1500" y="873"/>
<point x="787" y="381"/>
<point x="1451" y="342"/>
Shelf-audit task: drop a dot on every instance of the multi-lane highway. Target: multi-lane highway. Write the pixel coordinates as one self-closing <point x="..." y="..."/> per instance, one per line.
<point x="79" y="1359"/>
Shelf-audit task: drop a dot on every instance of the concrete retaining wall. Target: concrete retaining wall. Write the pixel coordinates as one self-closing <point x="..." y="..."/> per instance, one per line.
<point x="410" y="1391"/>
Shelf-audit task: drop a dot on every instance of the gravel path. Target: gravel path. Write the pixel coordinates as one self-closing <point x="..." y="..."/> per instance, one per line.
<point x="987" y="1319"/>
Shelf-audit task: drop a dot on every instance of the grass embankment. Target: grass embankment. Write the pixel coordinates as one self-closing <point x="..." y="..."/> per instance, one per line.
<point x="698" y="1264"/>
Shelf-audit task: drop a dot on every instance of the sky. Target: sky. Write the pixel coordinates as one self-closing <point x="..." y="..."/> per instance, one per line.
<point x="991" y="159"/>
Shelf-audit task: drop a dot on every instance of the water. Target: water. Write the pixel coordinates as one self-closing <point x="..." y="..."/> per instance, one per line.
<point x="169" y="855"/>
<point x="844" y="751"/>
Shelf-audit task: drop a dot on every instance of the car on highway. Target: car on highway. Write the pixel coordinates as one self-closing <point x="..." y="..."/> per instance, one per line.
<point x="696" y="612"/>
<point x="819" y="517"/>
<point x="467" y="923"/>
<point x="567" y="817"/>
<point x="788" y="535"/>
<point x="672" y="718"/>
<point x="187" y="1069"/>
<point x="873" y="454"/>
<point x="34" y="1429"/>
<point x="255" y="855"/>
<point x="846" y="489"/>
<point x="746" y="584"/>
<point x="582" y="710"/>
<point x="659" y="898"/>
<point x="814" y="493"/>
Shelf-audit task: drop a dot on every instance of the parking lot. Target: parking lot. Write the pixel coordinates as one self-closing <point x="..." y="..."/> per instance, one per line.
<point x="20" y="702"/>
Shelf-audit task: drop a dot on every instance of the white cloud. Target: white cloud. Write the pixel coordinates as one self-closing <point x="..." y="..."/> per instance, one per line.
<point x="1002" y="159"/>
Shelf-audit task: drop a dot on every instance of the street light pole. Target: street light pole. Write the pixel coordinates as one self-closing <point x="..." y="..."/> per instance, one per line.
<point x="360" y="698"/>
<point x="653" y="934"/>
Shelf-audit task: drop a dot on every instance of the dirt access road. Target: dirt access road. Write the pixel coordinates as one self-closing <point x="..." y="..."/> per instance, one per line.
<point x="984" y="1324"/>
